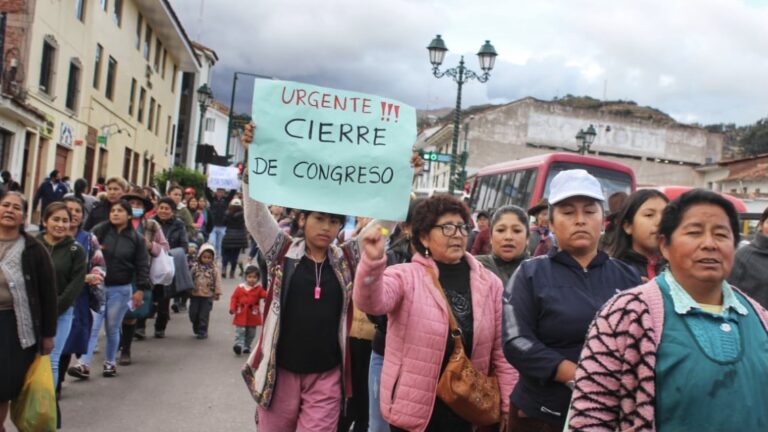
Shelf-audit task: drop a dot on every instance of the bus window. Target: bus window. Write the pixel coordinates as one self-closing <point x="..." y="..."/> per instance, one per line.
<point x="493" y="192"/>
<point x="611" y="181"/>
<point x="482" y="189"/>
<point x="527" y="182"/>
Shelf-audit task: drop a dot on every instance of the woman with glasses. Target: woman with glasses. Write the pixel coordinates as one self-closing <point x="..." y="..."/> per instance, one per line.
<point x="413" y="295"/>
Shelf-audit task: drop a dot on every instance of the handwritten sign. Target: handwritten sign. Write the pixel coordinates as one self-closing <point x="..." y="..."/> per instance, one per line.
<point x="331" y="150"/>
<point x="222" y="177"/>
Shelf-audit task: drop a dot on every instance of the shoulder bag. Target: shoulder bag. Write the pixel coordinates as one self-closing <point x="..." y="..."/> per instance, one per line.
<point x="471" y="394"/>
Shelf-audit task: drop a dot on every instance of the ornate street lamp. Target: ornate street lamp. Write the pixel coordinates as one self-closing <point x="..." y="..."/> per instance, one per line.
<point x="585" y="138"/>
<point x="204" y="98"/>
<point x="461" y="74"/>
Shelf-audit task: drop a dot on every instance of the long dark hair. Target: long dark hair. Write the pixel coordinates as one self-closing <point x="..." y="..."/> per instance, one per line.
<point x="621" y="241"/>
<point x="80" y="186"/>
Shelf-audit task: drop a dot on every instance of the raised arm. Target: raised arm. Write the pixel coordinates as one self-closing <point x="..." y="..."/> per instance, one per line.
<point x="376" y="292"/>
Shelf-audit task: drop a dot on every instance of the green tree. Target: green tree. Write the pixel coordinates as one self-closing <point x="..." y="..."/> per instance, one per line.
<point x="755" y="141"/>
<point x="183" y="176"/>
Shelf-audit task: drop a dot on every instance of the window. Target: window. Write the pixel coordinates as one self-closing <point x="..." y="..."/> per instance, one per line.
<point x="47" y="67"/>
<point x="127" y="163"/>
<point x="132" y="97"/>
<point x="103" y="4"/>
<point x="157" y="119"/>
<point x="158" y="49"/>
<point x="151" y="114"/>
<point x="80" y="10"/>
<point x="73" y="85"/>
<point x="111" y="74"/>
<point x="139" y="26"/>
<point x="210" y="124"/>
<point x="117" y="12"/>
<point x="142" y="100"/>
<point x="162" y="67"/>
<point x="168" y="131"/>
<point x="173" y="78"/>
<point x="97" y="66"/>
<point x="147" y="42"/>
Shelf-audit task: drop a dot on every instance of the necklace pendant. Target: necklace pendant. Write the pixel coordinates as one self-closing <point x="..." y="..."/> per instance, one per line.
<point x="317" y="292"/>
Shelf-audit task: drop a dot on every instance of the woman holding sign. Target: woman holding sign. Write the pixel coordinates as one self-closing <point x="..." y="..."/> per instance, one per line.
<point x="299" y="372"/>
<point x="453" y="302"/>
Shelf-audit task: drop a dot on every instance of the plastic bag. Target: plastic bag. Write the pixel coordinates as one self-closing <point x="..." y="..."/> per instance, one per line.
<point x="35" y="408"/>
<point x="161" y="271"/>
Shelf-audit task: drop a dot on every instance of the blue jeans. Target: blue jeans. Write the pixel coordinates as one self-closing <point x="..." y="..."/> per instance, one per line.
<point x="63" y="327"/>
<point x="376" y="422"/>
<point x="114" y="310"/>
<point x="93" y="342"/>
<point x="216" y="237"/>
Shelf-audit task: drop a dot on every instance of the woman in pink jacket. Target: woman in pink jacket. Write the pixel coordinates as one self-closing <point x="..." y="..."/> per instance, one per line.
<point x="418" y="342"/>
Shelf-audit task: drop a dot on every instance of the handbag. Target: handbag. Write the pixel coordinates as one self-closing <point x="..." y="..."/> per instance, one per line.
<point x="143" y="310"/>
<point x="34" y="410"/>
<point x="471" y="394"/>
<point x="161" y="271"/>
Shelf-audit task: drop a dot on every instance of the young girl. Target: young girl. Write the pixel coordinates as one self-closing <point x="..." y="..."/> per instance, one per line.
<point x="244" y="305"/>
<point x="207" y="289"/>
<point x="635" y="240"/>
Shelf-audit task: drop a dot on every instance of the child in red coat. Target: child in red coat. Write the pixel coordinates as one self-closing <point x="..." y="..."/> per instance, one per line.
<point x="244" y="305"/>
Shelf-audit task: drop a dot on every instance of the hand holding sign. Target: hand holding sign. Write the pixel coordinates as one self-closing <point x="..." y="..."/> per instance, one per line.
<point x="330" y="150"/>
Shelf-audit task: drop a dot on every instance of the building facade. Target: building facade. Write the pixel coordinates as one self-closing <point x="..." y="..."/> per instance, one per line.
<point x="660" y="150"/>
<point x="105" y="75"/>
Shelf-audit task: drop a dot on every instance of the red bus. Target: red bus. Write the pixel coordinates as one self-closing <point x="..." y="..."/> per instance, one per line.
<point x="524" y="182"/>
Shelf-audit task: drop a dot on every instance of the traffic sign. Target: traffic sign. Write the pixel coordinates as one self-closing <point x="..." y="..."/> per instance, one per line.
<point x="437" y="157"/>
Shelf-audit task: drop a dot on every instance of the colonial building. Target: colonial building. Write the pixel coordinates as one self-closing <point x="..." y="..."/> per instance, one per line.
<point x="105" y="75"/>
<point x="660" y="150"/>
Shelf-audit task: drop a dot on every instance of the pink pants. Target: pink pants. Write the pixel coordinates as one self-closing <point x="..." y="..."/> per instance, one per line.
<point x="303" y="402"/>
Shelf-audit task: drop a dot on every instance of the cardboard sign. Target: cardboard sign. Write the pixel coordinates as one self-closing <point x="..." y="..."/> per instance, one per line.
<point x="222" y="177"/>
<point x="331" y="150"/>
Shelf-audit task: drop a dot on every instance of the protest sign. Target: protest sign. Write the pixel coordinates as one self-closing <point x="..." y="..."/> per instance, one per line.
<point x="331" y="150"/>
<point x="222" y="177"/>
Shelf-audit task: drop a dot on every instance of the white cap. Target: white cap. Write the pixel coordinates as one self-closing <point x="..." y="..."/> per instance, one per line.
<point x="236" y="202"/>
<point x="575" y="182"/>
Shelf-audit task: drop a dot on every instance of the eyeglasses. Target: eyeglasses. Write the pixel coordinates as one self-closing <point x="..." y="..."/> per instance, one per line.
<point x="449" y="230"/>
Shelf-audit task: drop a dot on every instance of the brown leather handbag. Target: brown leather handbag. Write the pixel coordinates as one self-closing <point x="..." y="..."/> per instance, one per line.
<point x="471" y="394"/>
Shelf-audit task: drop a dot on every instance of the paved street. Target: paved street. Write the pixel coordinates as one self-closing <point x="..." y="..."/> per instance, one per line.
<point x="174" y="384"/>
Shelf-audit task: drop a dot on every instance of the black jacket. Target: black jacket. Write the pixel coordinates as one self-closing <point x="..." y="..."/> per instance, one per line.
<point x="747" y="273"/>
<point x="48" y="193"/>
<point x="235" y="237"/>
<point x="217" y="208"/>
<point x="175" y="232"/>
<point x="40" y="282"/>
<point x="99" y="213"/>
<point x="126" y="256"/>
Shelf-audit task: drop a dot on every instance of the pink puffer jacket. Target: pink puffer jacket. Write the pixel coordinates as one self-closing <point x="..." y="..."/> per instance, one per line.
<point x="418" y="331"/>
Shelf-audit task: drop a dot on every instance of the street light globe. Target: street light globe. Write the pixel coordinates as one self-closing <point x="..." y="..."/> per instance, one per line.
<point x="487" y="56"/>
<point x="204" y="95"/>
<point x="437" y="50"/>
<point x="589" y="135"/>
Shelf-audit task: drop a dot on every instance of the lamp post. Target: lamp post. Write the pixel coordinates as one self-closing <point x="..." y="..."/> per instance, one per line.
<point x="460" y="74"/>
<point x="204" y="98"/>
<point x="232" y="105"/>
<point x="585" y="138"/>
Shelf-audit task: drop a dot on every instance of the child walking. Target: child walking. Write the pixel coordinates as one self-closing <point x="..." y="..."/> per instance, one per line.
<point x="244" y="305"/>
<point x="207" y="288"/>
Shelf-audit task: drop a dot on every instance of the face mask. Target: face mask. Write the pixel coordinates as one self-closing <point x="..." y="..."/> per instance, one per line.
<point x="138" y="212"/>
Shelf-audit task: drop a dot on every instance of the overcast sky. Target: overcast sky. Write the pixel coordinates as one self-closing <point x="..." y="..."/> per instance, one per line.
<point x="700" y="61"/>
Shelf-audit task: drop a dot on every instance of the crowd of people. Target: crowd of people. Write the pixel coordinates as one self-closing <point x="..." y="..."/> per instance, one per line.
<point x="113" y="257"/>
<point x="555" y="317"/>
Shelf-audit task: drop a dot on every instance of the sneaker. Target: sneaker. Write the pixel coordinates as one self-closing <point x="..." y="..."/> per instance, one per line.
<point x="175" y="308"/>
<point x="80" y="371"/>
<point x="237" y="349"/>
<point x="140" y="334"/>
<point x="125" y="359"/>
<point x="202" y="335"/>
<point x="224" y="275"/>
<point x="246" y="350"/>
<point x="159" y="334"/>
<point x="109" y="370"/>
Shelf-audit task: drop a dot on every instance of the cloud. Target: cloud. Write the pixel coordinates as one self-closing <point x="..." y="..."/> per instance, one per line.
<point x="703" y="59"/>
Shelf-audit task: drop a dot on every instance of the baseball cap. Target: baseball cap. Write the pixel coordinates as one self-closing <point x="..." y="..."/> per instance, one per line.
<point x="575" y="182"/>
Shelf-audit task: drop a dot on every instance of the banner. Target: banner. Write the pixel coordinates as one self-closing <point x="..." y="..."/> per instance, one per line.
<point x="331" y="150"/>
<point x="222" y="177"/>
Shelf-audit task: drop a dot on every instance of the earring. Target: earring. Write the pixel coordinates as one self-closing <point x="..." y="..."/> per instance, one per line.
<point x="426" y="252"/>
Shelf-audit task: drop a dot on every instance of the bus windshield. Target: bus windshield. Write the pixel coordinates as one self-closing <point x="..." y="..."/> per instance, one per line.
<point x="611" y="181"/>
